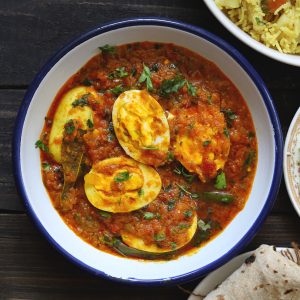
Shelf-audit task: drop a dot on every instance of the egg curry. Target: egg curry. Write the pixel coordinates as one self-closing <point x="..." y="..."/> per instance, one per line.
<point x="148" y="151"/>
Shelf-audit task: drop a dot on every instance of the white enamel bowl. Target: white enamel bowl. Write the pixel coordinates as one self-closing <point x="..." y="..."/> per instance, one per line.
<point x="27" y="162"/>
<point x="248" y="40"/>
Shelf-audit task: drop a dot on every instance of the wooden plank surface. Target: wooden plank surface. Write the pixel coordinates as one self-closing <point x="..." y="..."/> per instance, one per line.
<point x="30" y="32"/>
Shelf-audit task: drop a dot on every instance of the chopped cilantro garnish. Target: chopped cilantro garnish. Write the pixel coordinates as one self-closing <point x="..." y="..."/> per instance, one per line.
<point x="107" y="49"/>
<point x="171" y="204"/>
<point x="180" y="170"/>
<point x="46" y="166"/>
<point x="226" y="132"/>
<point x="118" y="73"/>
<point x="202" y="226"/>
<point x="230" y="116"/>
<point x="185" y="191"/>
<point x="259" y="21"/>
<point x="83" y="101"/>
<point x="154" y="67"/>
<point x="191" y="89"/>
<point x="69" y="127"/>
<point x="188" y="213"/>
<point x="206" y="143"/>
<point x="173" y="245"/>
<point x="89" y="123"/>
<point x="146" y="77"/>
<point x="149" y="215"/>
<point x="39" y="144"/>
<point x="220" y="183"/>
<point x="118" y="89"/>
<point x="159" y="237"/>
<point x="170" y="86"/>
<point x="122" y="176"/>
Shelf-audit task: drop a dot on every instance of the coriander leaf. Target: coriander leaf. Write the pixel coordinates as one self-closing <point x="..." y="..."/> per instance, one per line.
<point x="39" y="144"/>
<point x="230" y="116"/>
<point x="149" y="215"/>
<point x="118" y="89"/>
<point x="118" y="73"/>
<point x="89" y="123"/>
<point x="154" y="67"/>
<point x="173" y="245"/>
<point x="226" y="132"/>
<point x="69" y="127"/>
<point x="46" y="166"/>
<point x="183" y="226"/>
<point x="83" y="101"/>
<point x="185" y="191"/>
<point x="259" y="21"/>
<point x="122" y="176"/>
<point x="220" y="183"/>
<point x="159" y="237"/>
<point x="170" y="86"/>
<point x="202" y="226"/>
<point x="146" y="77"/>
<point x="171" y="204"/>
<point x="188" y="213"/>
<point x="107" y="49"/>
<point x="206" y="143"/>
<point x="186" y="174"/>
<point x="191" y="89"/>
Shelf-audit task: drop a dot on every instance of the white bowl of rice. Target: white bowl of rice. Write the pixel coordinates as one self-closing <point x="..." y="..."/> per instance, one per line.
<point x="271" y="27"/>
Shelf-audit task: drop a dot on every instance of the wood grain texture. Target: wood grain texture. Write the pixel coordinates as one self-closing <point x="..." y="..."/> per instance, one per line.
<point x="31" y="31"/>
<point x="32" y="269"/>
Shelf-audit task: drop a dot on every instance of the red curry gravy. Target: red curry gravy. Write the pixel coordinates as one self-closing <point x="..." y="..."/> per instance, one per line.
<point x="210" y="88"/>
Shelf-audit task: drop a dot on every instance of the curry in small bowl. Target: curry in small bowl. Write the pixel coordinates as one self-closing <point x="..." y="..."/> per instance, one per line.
<point x="149" y="151"/>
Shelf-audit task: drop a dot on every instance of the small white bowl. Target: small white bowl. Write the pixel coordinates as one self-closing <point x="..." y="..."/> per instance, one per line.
<point x="291" y="161"/>
<point x="248" y="40"/>
<point x="65" y="63"/>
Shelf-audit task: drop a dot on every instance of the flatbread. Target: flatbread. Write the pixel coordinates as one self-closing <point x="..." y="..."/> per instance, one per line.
<point x="265" y="275"/>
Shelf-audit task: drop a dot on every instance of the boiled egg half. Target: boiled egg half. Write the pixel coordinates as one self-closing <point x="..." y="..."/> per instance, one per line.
<point x="138" y="243"/>
<point x="141" y="127"/>
<point x="120" y="184"/>
<point x="73" y="105"/>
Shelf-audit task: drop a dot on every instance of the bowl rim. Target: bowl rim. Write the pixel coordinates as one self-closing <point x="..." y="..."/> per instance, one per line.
<point x="287" y="177"/>
<point x="246" y="66"/>
<point x="291" y="59"/>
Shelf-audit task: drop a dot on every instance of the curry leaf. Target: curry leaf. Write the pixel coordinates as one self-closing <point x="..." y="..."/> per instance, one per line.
<point x="191" y="89"/>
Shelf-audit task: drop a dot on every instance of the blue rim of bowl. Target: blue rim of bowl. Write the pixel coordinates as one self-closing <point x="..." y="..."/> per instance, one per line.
<point x="153" y="21"/>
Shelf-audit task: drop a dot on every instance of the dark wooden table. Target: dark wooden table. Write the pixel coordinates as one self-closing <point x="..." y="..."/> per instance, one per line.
<point x="30" y="32"/>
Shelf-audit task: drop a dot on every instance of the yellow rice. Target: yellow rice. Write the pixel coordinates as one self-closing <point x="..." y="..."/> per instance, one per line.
<point x="282" y="34"/>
